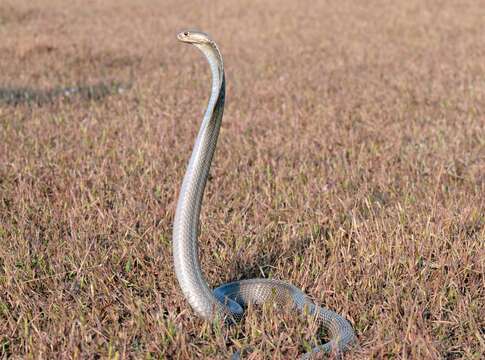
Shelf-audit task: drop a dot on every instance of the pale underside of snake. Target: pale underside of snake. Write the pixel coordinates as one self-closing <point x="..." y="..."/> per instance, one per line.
<point x="229" y="300"/>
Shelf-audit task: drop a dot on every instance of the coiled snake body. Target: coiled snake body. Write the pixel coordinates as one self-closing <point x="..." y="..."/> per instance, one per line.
<point x="229" y="300"/>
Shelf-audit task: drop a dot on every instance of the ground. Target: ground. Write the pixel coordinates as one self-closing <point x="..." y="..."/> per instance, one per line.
<point x="351" y="163"/>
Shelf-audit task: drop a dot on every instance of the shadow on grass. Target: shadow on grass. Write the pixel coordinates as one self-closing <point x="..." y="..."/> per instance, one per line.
<point x="265" y="262"/>
<point x="15" y="96"/>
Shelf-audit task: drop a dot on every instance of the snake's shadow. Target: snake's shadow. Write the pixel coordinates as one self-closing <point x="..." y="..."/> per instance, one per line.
<point x="261" y="266"/>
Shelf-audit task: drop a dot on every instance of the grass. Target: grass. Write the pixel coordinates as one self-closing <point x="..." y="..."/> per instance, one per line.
<point x="351" y="163"/>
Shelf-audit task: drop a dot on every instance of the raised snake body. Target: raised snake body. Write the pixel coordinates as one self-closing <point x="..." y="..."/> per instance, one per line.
<point x="229" y="300"/>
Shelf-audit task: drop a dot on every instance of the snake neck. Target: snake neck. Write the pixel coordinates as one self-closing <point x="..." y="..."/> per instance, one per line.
<point x="186" y="222"/>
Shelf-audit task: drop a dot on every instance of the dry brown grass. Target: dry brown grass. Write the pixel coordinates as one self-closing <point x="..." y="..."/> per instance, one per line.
<point x="351" y="163"/>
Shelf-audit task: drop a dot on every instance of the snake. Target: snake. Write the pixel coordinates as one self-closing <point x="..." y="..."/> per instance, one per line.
<point x="229" y="301"/>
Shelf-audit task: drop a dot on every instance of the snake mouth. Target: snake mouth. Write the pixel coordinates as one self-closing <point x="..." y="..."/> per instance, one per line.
<point x="193" y="37"/>
<point x="184" y="37"/>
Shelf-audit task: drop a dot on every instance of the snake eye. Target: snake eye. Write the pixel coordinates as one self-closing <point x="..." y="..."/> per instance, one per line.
<point x="186" y="33"/>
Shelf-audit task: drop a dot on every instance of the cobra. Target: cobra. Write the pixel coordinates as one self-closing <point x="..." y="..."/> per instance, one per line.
<point x="228" y="301"/>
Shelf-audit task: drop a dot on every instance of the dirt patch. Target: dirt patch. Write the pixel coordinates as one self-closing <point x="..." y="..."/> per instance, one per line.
<point x="29" y="96"/>
<point x="10" y="14"/>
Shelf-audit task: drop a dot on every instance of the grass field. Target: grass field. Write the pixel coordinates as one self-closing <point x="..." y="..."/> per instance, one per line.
<point x="351" y="163"/>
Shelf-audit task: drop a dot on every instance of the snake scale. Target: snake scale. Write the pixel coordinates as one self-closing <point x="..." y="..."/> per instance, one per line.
<point x="229" y="300"/>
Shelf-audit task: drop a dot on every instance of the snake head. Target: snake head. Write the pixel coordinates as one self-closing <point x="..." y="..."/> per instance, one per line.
<point x="194" y="37"/>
